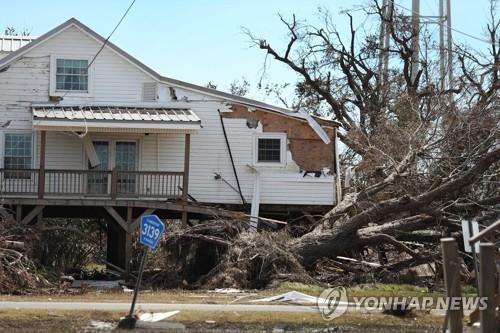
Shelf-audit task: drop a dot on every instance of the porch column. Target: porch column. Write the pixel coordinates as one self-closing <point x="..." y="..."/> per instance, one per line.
<point x="185" y="178"/>
<point x="41" y="172"/>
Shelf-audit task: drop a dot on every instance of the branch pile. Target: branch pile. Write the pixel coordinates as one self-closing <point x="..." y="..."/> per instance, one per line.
<point x="18" y="273"/>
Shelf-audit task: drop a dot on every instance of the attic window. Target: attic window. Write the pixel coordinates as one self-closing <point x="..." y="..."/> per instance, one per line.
<point x="72" y="75"/>
<point x="149" y="92"/>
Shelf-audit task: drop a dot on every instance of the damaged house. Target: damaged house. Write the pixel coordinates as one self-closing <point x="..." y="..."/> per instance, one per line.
<point x="93" y="133"/>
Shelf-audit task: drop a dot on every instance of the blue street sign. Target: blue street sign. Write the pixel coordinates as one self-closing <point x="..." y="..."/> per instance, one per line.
<point x="151" y="230"/>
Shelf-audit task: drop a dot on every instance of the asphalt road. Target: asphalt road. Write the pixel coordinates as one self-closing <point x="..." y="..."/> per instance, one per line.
<point x="164" y="307"/>
<point x="115" y="306"/>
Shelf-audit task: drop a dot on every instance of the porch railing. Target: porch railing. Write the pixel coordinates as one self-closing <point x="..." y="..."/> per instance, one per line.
<point x="91" y="183"/>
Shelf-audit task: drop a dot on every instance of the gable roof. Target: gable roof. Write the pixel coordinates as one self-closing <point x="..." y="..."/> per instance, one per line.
<point x="6" y="61"/>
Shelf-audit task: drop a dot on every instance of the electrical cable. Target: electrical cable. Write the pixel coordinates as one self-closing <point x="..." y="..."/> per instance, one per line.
<point x="453" y="29"/>
<point x="94" y="58"/>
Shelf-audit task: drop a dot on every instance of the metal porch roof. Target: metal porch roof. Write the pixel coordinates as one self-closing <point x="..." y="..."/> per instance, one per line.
<point x="114" y="118"/>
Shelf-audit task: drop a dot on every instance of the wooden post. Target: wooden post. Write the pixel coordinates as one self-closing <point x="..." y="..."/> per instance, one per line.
<point x="128" y="242"/>
<point x="451" y="267"/>
<point x="41" y="172"/>
<point x="185" y="177"/>
<point x="19" y="213"/>
<point x="487" y="287"/>
<point x="114" y="182"/>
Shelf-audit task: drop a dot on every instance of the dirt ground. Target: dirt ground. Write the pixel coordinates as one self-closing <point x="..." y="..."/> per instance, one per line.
<point x="17" y="321"/>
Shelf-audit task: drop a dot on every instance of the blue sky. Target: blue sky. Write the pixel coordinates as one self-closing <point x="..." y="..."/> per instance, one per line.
<point x="201" y="41"/>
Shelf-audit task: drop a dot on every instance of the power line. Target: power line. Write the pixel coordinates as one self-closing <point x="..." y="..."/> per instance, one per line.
<point x="105" y="42"/>
<point x="112" y="32"/>
<point x="98" y="52"/>
<point x="454" y="29"/>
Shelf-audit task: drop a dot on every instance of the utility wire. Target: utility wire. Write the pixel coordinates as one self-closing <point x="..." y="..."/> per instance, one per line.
<point x="94" y="58"/>
<point x="112" y="32"/>
<point x="454" y="29"/>
<point x="106" y="41"/>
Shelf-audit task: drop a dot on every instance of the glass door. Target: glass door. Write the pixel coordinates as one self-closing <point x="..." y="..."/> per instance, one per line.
<point x="125" y="162"/>
<point x="97" y="182"/>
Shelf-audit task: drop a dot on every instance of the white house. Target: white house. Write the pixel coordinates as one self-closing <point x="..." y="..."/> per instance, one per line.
<point x="84" y="124"/>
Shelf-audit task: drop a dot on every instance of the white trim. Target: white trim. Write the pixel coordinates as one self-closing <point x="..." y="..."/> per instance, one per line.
<point x="316" y="127"/>
<point x="70" y="93"/>
<point x="338" y="183"/>
<point x="283" y="144"/>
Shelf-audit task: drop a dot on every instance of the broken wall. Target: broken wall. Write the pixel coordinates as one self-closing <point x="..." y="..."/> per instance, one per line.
<point x="309" y="152"/>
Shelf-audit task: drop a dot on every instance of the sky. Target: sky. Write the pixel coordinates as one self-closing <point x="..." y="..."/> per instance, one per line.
<point x="201" y="41"/>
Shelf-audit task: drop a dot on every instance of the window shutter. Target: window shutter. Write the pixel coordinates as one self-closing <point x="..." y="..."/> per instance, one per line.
<point x="149" y="91"/>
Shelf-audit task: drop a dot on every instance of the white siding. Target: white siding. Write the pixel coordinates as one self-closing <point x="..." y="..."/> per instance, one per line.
<point x="117" y="81"/>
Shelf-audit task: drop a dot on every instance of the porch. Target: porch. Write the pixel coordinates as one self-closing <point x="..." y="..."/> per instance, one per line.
<point x="100" y="152"/>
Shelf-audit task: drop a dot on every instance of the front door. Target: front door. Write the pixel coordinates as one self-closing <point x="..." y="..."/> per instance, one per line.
<point x="119" y="154"/>
<point x="125" y="162"/>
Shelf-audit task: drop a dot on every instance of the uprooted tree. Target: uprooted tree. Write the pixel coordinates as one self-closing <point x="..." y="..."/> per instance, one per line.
<point x="425" y="155"/>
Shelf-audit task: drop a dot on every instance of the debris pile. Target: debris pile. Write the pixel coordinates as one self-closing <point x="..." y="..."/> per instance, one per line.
<point x="18" y="273"/>
<point x="255" y="260"/>
<point x="223" y="254"/>
<point x="191" y="253"/>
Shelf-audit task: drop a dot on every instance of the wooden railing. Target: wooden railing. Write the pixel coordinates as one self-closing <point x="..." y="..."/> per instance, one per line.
<point x="91" y="183"/>
<point x="19" y="181"/>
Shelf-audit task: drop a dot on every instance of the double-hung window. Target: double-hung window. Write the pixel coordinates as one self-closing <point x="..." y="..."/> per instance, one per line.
<point x="72" y="75"/>
<point x="17" y="154"/>
<point x="270" y="149"/>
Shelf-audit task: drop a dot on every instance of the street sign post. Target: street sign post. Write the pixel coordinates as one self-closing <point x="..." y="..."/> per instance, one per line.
<point x="150" y="231"/>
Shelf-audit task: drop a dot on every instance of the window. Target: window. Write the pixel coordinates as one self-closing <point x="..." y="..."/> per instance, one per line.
<point x="269" y="148"/>
<point x="17" y="154"/>
<point x="72" y="75"/>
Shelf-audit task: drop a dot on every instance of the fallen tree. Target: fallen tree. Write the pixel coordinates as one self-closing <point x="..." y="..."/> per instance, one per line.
<point x="425" y="151"/>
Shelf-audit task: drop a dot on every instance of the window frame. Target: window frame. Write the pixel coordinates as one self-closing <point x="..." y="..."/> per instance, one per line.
<point x="4" y="155"/>
<point x="53" y="74"/>
<point x="283" y="145"/>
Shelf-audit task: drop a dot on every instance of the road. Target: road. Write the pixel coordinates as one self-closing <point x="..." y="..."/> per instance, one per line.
<point x="116" y="306"/>
<point x="164" y="307"/>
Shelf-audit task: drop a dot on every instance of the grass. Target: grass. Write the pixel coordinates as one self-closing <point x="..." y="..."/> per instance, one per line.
<point x="24" y="321"/>
<point x="369" y="290"/>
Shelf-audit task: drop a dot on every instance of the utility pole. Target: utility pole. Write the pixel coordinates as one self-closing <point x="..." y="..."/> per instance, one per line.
<point x="384" y="41"/>
<point x="381" y="43"/>
<point x="415" y="41"/>
<point x="450" y="47"/>
<point x="445" y="42"/>
<point x="442" y="60"/>
<point x="445" y="46"/>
